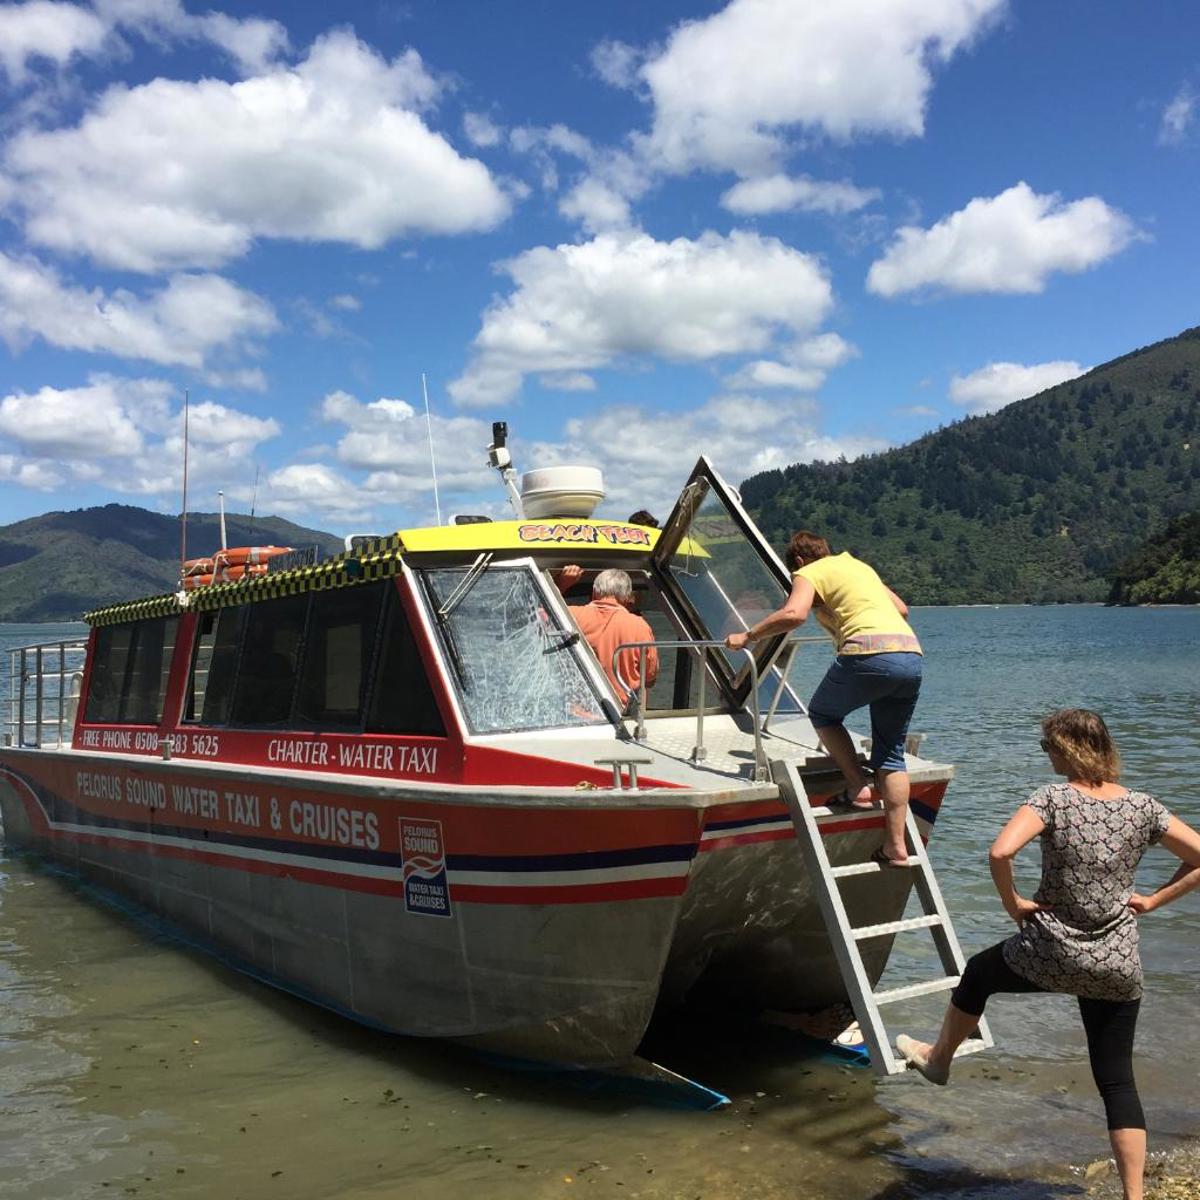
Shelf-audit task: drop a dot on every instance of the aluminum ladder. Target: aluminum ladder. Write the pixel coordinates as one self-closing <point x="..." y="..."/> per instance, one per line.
<point x="845" y="938"/>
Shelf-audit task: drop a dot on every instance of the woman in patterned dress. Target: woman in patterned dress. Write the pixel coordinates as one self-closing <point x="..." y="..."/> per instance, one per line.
<point x="1078" y="934"/>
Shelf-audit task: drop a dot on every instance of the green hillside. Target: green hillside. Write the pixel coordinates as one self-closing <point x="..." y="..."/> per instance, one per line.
<point x="1035" y="503"/>
<point x="1164" y="571"/>
<point x="56" y="566"/>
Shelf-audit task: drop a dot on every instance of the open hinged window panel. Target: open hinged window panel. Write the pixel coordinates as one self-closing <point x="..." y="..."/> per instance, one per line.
<point x="717" y="567"/>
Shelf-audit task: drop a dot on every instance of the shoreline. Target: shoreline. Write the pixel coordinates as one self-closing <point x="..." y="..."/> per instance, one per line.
<point x="1170" y="1175"/>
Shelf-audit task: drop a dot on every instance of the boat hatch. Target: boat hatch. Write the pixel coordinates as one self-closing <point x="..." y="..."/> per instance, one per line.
<point x="716" y="565"/>
<point x="515" y="667"/>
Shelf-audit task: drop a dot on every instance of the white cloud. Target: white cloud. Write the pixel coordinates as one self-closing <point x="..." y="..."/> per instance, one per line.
<point x="53" y="32"/>
<point x="826" y="351"/>
<point x="87" y="422"/>
<point x="127" y="433"/>
<point x="992" y="387"/>
<point x="346" y="302"/>
<point x="1177" y="117"/>
<point x="47" y="30"/>
<point x="600" y="197"/>
<point x="241" y="379"/>
<point x="174" y="174"/>
<point x="181" y="324"/>
<point x="568" y="381"/>
<point x="481" y="130"/>
<point x="783" y="193"/>
<point x="211" y="424"/>
<point x="40" y="476"/>
<point x="725" y="87"/>
<point x="646" y="455"/>
<point x="1005" y="243"/>
<point x="303" y="488"/>
<point x="582" y="306"/>
<point x="617" y="63"/>
<point x="596" y="206"/>
<point x="804" y="367"/>
<point x="765" y="373"/>
<point x="390" y="439"/>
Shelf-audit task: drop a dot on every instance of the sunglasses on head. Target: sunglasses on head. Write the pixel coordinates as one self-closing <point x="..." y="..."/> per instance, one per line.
<point x="1045" y="745"/>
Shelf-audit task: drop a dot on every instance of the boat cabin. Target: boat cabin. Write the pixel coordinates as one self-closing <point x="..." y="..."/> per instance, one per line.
<point x="439" y="653"/>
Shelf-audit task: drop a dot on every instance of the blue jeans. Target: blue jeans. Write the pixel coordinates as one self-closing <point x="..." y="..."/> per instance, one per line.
<point x="889" y="683"/>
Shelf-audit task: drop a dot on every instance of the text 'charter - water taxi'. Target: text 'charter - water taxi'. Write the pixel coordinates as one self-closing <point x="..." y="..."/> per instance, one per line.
<point x="400" y="783"/>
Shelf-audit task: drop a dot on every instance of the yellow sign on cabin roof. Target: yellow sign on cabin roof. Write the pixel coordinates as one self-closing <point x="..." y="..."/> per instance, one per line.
<point x="566" y="532"/>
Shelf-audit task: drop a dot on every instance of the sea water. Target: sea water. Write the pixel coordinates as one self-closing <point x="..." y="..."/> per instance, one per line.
<point x="131" y="1065"/>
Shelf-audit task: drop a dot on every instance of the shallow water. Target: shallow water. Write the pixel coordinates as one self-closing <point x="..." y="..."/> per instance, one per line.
<point x="131" y="1065"/>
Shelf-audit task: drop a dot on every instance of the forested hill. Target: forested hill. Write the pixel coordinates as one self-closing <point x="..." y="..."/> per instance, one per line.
<point x="1037" y="502"/>
<point x="1166" y="570"/>
<point x="55" y="567"/>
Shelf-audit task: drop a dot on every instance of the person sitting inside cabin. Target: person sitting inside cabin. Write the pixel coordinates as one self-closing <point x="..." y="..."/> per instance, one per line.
<point x="642" y="517"/>
<point x="608" y="621"/>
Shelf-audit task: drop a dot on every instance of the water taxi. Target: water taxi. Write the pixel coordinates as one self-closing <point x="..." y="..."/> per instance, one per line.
<point x="399" y="782"/>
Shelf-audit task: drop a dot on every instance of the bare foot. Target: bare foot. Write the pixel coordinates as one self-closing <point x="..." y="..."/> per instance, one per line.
<point x="919" y="1056"/>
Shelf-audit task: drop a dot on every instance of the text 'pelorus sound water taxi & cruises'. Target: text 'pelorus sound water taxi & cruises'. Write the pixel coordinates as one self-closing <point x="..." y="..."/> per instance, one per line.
<point x="399" y="782"/>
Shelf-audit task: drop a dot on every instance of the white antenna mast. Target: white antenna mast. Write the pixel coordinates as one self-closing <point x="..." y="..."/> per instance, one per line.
<point x="183" y="515"/>
<point x="221" y="503"/>
<point x="432" y="460"/>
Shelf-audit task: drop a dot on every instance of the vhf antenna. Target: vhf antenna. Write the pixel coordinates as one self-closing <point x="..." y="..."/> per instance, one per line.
<point x="432" y="460"/>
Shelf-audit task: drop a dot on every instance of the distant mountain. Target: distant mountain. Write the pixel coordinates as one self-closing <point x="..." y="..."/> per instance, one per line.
<point x="1037" y="502"/>
<point x="55" y="567"/>
<point x="1164" y="571"/>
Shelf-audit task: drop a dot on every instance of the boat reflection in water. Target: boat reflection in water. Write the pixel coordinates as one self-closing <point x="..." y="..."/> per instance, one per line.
<point x="397" y="782"/>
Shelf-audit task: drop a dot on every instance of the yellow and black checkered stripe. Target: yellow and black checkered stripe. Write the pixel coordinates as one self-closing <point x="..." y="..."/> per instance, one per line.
<point x="379" y="558"/>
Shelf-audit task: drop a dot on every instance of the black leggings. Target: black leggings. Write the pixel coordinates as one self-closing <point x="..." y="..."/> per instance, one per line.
<point x="1109" y="1024"/>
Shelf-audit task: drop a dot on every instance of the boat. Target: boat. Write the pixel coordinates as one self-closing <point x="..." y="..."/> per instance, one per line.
<point x="399" y="783"/>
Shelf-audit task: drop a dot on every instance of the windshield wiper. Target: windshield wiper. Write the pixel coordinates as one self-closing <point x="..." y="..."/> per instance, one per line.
<point x="468" y="581"/>
<point x="563" y="637"/>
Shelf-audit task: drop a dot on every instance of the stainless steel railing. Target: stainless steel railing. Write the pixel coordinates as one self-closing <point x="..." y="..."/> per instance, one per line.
<point x="43" y="691"/>
<point x="701" y="649"/>
<point x="781" y="661"/>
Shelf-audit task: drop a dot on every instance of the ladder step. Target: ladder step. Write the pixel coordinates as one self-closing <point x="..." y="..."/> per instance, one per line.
<point x="972" y="1045"/>
<point x="824" y="812"/>
<point x="891" y="995"/>
<point x="869" y="931"/>
<point x="870" y="868"/>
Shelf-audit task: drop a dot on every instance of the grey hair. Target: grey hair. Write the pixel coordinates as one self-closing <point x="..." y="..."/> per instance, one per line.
<point x="613" y="582"/>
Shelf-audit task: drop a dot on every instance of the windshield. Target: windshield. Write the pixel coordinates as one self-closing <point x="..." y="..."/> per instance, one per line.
<point x="722" y="576"/>
<point x="515" y="666"/>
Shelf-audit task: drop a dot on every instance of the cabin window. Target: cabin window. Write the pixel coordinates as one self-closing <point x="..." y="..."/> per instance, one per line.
<point x="266" y="678"/>
<point x="337" y="656"/>
<point x="210" y="692"/>
<point x="515" y="666"/>
<point x="130" y="666"/>
<point x="402" y="700"/>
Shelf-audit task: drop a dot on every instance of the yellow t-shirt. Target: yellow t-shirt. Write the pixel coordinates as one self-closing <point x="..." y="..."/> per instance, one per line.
<point x="855" y="607"/>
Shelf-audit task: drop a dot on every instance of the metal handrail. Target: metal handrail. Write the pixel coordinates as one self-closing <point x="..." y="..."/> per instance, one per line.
<point x="701" y="647"/>
<point x="49" y="710"/>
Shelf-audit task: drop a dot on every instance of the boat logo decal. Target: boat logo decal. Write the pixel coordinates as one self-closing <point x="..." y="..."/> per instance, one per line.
<point x="622" y="535"/>
<point x="426" y="888"/>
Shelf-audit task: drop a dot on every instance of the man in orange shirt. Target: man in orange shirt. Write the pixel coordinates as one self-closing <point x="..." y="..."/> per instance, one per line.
<point x="607" y="622"/>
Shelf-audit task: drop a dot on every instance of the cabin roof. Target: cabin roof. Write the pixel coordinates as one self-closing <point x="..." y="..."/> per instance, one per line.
<point x="379" y="558"/>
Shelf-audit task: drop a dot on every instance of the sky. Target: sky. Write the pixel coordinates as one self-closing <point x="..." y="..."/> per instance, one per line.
<point x="769" y="231"/>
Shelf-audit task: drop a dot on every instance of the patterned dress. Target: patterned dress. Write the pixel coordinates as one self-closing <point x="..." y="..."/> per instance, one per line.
<point x="1088" y="945"/>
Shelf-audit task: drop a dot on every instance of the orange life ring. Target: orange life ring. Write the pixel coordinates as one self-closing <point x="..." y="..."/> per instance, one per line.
<point x="237" y="556"/>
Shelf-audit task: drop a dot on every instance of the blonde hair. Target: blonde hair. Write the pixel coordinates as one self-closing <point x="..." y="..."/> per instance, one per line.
<point x="1080" y="738"/>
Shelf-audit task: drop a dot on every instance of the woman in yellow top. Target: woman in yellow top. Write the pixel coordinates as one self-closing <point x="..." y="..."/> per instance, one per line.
<point x="878" y="664"/>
